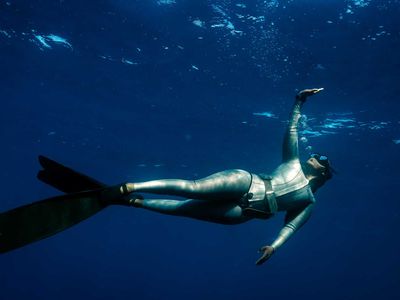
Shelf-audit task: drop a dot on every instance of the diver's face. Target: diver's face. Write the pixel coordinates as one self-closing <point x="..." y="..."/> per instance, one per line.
<point x="313" y="163"/>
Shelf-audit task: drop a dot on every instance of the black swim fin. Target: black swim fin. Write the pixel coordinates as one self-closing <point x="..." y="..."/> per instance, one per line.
<point x="64" y="178"/>
<point x="29" y="223"/>
<point x="32" y="222"/>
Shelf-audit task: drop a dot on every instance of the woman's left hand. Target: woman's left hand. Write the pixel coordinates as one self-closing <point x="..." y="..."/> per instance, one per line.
<point x="267" y="253"/>
<point x="302" y="95"/>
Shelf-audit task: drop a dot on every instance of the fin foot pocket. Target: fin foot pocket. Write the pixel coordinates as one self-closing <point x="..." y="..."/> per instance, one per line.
<point x="114" y="194"/>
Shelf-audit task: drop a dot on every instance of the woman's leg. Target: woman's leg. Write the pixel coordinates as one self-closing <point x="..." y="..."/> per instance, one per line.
<point x="225" y="185"/>
<point x="223" y="213"/>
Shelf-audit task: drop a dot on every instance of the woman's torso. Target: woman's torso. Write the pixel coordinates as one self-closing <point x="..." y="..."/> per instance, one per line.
<point x="290" y="187"/>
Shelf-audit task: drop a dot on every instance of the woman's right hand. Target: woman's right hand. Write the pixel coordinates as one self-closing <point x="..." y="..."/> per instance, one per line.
<point x="267" y="252"/>
<point x="302" y="95"/>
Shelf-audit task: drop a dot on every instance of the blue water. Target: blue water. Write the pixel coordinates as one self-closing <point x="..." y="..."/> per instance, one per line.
<point x="137" y="90"/>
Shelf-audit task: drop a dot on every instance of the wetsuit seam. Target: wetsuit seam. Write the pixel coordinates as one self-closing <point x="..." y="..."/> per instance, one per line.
<point x="289" y="180"/>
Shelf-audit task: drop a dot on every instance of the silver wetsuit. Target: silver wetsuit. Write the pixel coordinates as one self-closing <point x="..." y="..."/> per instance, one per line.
<point x="286" y="189"/>
<point x="219" y="197"/>
<point x="291" y="187"/>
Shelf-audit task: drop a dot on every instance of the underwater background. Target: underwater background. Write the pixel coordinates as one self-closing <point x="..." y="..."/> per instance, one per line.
<point x="138" y="90"/>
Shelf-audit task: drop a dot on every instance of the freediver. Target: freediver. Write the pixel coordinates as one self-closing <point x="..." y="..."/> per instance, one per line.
<point x="227" y="197"/>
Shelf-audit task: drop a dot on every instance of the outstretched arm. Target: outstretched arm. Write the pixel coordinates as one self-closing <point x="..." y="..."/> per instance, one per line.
<point x="293" y="221"/>
<point x="290" y="148"/>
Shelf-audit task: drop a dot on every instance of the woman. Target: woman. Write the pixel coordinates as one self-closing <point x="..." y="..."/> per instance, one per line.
<point x="236" y="196"/>
<point x="227" y="197"/>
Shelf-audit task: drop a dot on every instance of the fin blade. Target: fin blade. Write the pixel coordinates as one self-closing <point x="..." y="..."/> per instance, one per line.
<point x="29" y="223"/>
<point x="65" y="179"/>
